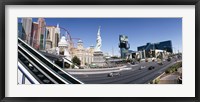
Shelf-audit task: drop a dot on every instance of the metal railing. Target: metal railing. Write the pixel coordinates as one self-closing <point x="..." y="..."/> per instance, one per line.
<point x="24" y="74"/>
<point x="41" y="68"/>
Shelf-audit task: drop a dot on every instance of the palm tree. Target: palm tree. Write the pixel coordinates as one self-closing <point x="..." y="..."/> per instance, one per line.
<point x="159" y="56"/>
<point x="137" y="57"/>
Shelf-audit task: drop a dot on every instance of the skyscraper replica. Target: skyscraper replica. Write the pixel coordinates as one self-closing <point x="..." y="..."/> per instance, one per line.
<point x="41" y="32"/>
<point x="26" y="32"/>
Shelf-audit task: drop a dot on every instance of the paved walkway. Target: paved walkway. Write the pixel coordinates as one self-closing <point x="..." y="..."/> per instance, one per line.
<point x="171" y="78"/>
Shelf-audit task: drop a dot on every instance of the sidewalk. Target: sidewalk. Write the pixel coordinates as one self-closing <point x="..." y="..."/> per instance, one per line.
<point x="169" y="79"/>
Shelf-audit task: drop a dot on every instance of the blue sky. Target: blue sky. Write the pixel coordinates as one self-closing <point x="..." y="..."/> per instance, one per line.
<point x="139" y="31"/>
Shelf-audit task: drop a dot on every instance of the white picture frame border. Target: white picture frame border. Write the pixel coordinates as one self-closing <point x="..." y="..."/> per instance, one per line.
<point x="186" y="12"/>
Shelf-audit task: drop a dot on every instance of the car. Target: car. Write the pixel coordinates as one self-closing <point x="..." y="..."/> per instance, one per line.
<point x="151" y="67"/>
<point x="169" y="59"/>
<point x="132" y="63"/>
<point x="160" y="63"/>
<point x="141" y="67"/>
<point x="153" y="59"/>
<point x="113" y="74"/>
<point x="81" y="67"/>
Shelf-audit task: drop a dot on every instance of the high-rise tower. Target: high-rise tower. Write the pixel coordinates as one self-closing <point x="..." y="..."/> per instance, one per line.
<point x="123" y="45"/>
<point x="26" y="26"/>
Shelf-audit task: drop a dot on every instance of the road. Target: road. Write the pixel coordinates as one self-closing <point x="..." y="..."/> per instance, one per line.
<point x="130" y="74"/>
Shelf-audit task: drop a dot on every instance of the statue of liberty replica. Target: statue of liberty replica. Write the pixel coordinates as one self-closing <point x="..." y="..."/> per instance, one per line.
<point x="98" y="59"/>
<point x="98" y="45"/>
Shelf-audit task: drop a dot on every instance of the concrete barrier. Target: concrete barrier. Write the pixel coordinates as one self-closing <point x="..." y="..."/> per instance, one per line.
<point x="157" y="78"/>
<point x="93" y="71"/>
<point x="168" y="82"/>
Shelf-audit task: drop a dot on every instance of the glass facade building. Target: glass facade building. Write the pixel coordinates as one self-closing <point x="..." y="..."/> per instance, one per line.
<point x="165" y="45"/>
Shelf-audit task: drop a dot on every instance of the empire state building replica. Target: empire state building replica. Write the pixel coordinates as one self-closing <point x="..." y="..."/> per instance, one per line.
<point x="98" y="59"/>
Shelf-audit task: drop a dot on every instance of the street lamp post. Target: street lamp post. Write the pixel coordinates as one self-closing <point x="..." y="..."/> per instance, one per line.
<point x="174" y="50"/>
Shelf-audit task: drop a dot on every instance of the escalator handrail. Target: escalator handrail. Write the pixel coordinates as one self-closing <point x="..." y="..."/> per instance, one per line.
<point x="71" y="62"/>
<point x="49" y="70"/>
<point x="27" y="74"/>
<point x="19" y="40"/>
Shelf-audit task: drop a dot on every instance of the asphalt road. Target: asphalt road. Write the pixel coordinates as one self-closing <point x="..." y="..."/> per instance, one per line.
<point x="130" y="74"/>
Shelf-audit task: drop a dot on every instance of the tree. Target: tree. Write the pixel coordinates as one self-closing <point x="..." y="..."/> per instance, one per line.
<point x="137" y="58"/>
<point x="129" y="60"/>
<point x="76" y="60"/>
<point x="72" y="66"/>
<point x="67" y="65"/>
<point x="159" y="56"/>
<point x="115" y="57"/>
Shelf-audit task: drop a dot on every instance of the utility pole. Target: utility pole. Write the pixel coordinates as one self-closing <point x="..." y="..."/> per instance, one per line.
<point x="178" y="49"/>
<point x="112" y="51"/>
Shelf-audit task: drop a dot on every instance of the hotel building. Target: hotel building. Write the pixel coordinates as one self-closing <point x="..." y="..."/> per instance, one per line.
<point x="154" y="50"/>
<point x="52" y="37"/>
<point x="34" y="35"/>
<point x="26" y="31"/>
<point x="84" y="54"/>
<point x="41" y="31"/>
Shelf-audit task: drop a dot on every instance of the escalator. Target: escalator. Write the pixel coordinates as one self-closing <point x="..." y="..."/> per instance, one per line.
<point x="41" y="68"/>
<point x="70" y="62"/>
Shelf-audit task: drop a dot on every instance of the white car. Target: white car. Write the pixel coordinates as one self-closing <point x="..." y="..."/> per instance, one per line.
<point x="113" y="74"/>
<point x="141" y="67"/>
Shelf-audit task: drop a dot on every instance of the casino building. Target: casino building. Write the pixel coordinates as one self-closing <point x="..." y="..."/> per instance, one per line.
<point x="84" y="54"/>
<point x="153" y="50"/>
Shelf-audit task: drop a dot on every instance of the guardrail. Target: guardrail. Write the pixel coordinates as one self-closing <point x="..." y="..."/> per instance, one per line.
<point x="157" y="78"/>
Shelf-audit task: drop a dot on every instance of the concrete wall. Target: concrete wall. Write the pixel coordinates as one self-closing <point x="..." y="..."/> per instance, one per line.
<point x="168" y="82"/>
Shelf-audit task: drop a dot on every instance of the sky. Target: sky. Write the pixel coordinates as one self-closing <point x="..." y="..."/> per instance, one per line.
<point x="139" y="31"/>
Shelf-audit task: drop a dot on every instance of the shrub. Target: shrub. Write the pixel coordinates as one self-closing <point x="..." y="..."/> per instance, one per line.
<point x="73" y="66"/>
<point x="67" y="65"/>
<point x="173" y="68"/>
<point x="76" y="60"/>
<point x="167" y="71"/>
<point x="138" y="59"/>
<point x="157" y="81"/>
